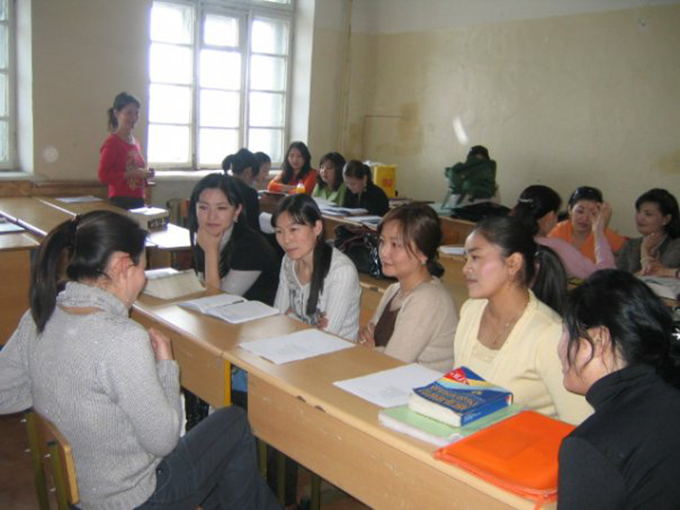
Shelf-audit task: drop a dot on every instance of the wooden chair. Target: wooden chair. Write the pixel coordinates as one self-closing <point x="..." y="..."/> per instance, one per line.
<point x="47" y="443"/>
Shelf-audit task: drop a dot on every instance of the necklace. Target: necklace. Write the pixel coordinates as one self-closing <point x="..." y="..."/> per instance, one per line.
<point x="501" y="335"/>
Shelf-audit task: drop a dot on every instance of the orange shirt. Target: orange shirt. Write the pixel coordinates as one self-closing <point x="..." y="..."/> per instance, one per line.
<point x="309" y="181"/>
<point x="563" y="230"/>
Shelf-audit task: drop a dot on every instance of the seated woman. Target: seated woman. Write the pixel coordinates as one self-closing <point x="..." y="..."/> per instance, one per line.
<point x="507" y="334"/>
<point x="416" y="318"/>
<point x="538" y="206"/>
<point x="657" y="252"/>
<point x="112" y="388"/>
<point x="474" y="180"/>
<point x="297" y="171"/>
<point x="227" y="252"/>
<point x="264" y="165"/>
<point x="585" y="205"/>
<point x="329" y="183"/>
<point x="618" y="351"/>
<point x="361" y="192"/>
<point x="244" y="168"/>
<point x="318" y="285"/>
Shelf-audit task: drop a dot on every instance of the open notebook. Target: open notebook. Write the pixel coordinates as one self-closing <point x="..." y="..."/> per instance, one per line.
<point x="230" y="308"/>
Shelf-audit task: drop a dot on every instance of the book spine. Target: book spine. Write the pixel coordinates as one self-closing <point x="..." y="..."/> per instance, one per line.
<point x="484" y="410"/>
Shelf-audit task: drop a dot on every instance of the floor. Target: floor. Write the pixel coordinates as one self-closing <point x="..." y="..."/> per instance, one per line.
<point x="17" y="490"/>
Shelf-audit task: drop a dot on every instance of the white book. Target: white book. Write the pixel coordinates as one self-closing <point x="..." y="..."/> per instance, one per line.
<point x="79" y="200"/>
<point x="452" y="250"/>
<point x="205" y="304"/>
<point x="243" y="311"/>
<point x="303" y="344"/>
<point x="663" y="286"/>
<point x="392" y="387"/>
<point x="369" y="221"/>
<point x="168" y="283"/>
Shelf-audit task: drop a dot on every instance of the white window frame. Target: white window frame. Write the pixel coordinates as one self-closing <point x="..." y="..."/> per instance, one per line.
<point x="10" y="72"/>
<point x="246" y="11"/>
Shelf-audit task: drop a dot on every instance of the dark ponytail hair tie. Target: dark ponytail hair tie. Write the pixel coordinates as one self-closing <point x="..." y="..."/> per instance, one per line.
<point x="72" y="230"/>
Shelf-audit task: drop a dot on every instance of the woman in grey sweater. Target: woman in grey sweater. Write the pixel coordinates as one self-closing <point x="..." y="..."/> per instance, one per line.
<point x="112" y="388"/>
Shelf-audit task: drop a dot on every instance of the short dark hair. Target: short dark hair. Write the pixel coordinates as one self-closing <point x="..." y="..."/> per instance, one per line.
<point x="639" y="323"/>
<point x="357" y="170"/>
<point x="338" y="162"/>
<point x="419" y="226"/>
<point x="478" y="150"/>
<point x="585" y="193"/>
<point x="667" y="204"/>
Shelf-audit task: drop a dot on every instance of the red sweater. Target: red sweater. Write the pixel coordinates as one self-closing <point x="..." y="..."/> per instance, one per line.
<point x="117" y="156"/>
<point x="309" y="181"/>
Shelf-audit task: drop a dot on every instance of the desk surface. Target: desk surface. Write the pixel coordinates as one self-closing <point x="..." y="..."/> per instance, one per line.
<point x="307" y="386"/>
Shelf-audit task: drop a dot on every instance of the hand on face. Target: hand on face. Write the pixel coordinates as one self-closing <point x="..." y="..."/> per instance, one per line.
<point x="651" y="242"/>
<point x="600" y="217"/>
<point x="209" y="242"/>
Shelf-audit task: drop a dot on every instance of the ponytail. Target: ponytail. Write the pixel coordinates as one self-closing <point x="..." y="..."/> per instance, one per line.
<point x="550" y="281"/>
<point x="238" y="162"/>
<point x="323" y="252"/>
<point x="80" y="250"/>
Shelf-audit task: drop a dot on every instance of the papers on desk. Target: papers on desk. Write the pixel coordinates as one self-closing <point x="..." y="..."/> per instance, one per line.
<point x="266" y="223"/>
<point x="230" y="308"/>
<point x="369" y="221"/>
<point x="79" y="200"/>
<point x="390" y="388"/>
<point x="168" y="283"/>
<point x="296" y="346"/>
<point x="331" y="209"/>
<point x="7" y="227"/>
<point x="662" y="286"/>
<point x="452" y="250"/>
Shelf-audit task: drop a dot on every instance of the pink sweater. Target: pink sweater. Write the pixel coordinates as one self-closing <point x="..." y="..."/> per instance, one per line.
<point x="575" y="263"/>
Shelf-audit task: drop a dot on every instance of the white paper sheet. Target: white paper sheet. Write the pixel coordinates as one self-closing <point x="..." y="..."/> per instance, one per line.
<point x="390" y="388"/>
<point x="79" y="200"/>
<point x="296" y="346"/>
<point x="168" y="283"/>
<point x="452" y="250"/>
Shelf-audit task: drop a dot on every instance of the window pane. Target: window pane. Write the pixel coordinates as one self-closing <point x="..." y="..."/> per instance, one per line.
<point x="266" y="110"/>
<point x="220" y="69"/>
<point x="3" y="95"/>
<point x="270" y="36"/>
<point x="169" y="144"/>
<point x="267" y="73"/>
<point x="170" y="104"/>
<point x="4" y="47"/>
<point x="215" y="144"/>
<point x="172" y="23"/>
<point x="170" y="64"/>
<point x="219" y="109"/>
<point x="4" y="141"/>
<point x="3" y="10"/>
<point x="269" y="141"/>
<point x="220" y="31"/>
<point x="278" y="1"/>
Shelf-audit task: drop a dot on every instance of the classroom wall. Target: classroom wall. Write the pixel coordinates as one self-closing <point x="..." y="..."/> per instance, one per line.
<point x="564" y="101"/>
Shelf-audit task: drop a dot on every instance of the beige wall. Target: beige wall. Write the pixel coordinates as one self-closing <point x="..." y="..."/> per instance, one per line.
<point x="564" y="101"/>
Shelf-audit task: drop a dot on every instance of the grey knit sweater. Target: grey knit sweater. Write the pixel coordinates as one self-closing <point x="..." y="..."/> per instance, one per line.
<point x="95" y="377"/>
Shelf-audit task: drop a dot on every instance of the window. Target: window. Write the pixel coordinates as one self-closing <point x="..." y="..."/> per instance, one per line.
<point x="218" y="80"/>
<point x="6" y="86"/>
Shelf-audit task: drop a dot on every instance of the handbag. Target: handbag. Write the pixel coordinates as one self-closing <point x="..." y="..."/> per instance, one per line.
<point x="360" y="244"/>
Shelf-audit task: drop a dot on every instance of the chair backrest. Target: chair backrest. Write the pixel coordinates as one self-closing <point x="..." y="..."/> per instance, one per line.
<point x="62" y="467"/>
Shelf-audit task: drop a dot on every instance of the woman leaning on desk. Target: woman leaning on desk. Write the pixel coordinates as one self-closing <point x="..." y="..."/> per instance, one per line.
<point x="618" y="351"/>
<point x="121" y="164"/>
<point x="510" y="327"/>
<point x="361" y="191"/>
<point x="112" y="388"/>
<point x="416" y="318"/>
<point x="657" y="252"/>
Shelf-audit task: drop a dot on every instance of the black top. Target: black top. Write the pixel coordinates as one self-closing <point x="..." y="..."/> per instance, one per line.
<point x="251" y="204"/>
<point x="372" y="198"/>
<point x="626" y="455"/>
<point x="248" y="250"/>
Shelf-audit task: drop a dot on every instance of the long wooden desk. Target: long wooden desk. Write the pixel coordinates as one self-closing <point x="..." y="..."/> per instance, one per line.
<point x="296" y="408"/>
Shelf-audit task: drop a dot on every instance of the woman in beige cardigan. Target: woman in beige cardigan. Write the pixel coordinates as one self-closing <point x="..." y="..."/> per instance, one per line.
<point x="509" y="333"/>
<point x="416" y="318"/>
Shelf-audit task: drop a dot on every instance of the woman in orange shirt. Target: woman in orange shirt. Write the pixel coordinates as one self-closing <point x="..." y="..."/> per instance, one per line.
<point x="297" y="168"/>
<point x="585" y="205"/>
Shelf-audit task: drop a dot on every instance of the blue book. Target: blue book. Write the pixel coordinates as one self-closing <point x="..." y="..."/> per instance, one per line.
<point x="459" y="397"/>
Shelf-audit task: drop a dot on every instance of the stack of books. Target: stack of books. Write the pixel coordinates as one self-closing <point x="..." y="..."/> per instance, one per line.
<point x="454" y="406"/>
<point x="150" y="218"/>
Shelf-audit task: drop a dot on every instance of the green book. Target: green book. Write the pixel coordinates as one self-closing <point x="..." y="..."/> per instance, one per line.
<point x="403" y="420"/>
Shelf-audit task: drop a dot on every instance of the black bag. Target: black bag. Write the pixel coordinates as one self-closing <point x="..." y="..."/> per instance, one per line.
<point x="360" y="244"/>
<point x="480" y="211"/>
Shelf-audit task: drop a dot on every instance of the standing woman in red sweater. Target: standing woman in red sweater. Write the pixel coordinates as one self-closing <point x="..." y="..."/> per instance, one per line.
<point x="297" y="168"/>
<point x="121" y="164"/>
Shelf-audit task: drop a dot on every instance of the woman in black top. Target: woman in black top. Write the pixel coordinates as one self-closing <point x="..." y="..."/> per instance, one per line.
<point x="618" y="350"/>
<point x="228" y="253"/>
<point x="244" y="167"/>
<point x="361" y="192"/>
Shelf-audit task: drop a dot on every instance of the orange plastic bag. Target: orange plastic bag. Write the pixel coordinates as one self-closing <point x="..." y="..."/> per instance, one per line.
<point x="519" y="454"/>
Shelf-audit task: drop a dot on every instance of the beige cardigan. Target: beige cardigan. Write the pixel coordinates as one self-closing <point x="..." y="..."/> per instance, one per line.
<point x="425" y="326"/>
<point x="527" y="363"/>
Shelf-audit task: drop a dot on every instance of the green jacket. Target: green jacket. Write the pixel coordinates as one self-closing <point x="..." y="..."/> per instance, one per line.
<point x="474" y="179"/>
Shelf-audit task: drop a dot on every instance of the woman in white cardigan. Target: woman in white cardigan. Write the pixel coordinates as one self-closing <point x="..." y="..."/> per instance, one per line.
<point x="416" y="318"/>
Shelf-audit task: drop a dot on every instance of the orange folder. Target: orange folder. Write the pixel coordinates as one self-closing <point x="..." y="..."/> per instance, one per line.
<point x="518" y="454"/>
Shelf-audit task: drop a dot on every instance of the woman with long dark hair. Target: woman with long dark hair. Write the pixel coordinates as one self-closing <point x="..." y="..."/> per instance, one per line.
<point x="121" y="164"/>
<point x="319" y="285"/>
<point x="537" y="207"/>
<point x="510" y="327"/>
<point x="244" y="168"/>
<point x="416" y="318"/>
<point x="619" y="351"/>
<point x="297" y="171"/>
<point x="329" y="183"/>
<point x="112" y="388"/>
